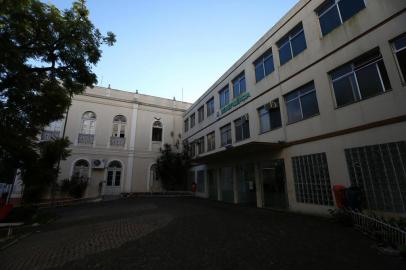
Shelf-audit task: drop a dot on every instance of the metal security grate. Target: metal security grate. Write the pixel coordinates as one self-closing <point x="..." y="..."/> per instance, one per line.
<point x="380" y="171"/>
<point x="312" y="180"/>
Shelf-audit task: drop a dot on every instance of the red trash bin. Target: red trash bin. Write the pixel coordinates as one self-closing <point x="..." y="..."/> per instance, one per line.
<point x="339" y="194"/>
<point x="193" y="187"/>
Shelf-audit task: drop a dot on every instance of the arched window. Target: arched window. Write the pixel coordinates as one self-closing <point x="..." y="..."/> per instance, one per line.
<point x="88" y="123"/>
<point x="114" y="174"/>
<point x="157" y="131"/>
<point x="119" y="123"/>
<point x="81" y="169"/>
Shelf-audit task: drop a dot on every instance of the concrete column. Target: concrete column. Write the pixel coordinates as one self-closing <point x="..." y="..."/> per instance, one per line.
<point x="258" y="184"/>
<point x="133" y="127"/>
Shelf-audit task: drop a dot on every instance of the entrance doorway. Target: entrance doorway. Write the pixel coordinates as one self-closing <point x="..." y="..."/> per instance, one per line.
<point x="211" y="180"/>
<point x="274" y="185"/>
<point x="246" y="185"/>
<point x="113" y="181"/>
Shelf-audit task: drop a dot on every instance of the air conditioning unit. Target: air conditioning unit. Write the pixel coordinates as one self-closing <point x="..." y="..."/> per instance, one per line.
<point x="98" y="163"/>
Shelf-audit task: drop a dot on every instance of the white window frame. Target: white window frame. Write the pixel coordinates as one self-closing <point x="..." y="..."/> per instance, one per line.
<point x="395" y="51"/>
<point x="121" y="126"/>
<point x="90" y="122"/>
<point x="222" y="96"/>
<point x="299" y="96"/>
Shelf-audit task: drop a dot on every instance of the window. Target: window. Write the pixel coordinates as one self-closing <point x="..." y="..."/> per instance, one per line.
<point x="224" y="96"/>
<point x="192" y="149"/>
<point x="363" y="78"/>
<point x="186" y="124"/>
<point x="113" y="174"/>
<point x="264" y="65"/>
<point x="88" y="123"/>
<point x="399" y="48"/>
<point x="269" y="116"/>
<point x="200" y="145"/>
<point x="380" y="172"/>
<point x="210" y="106"/>
<point x="312" y="180"/>
<point x="242" y="128"/>
<point x="292" y="44"/>
<point x="200" y="186"/>
<point x="211" y="141"/>
<point x="239" y="85"/>
<point x="157" y="131"/>
<point x="192" y="120"/>
<point x="226" y="135"/>
<point x="52" y="131"/>
<point x="119" y="123"/>
<point x="200" y="114"/>
<point x="81" y="169"/>
<point x="301" y="103"/>
<point x="333" y="13"/>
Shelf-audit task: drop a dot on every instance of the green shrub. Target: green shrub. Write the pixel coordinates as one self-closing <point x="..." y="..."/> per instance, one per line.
<point x="75" y="187"/>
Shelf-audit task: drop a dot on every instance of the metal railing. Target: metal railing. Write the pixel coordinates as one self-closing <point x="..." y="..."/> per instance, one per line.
<point x="378" y="228"/>
<point x="85" y="138"/>
<point x="48" y="135"/>
<point x="117" y="141"/>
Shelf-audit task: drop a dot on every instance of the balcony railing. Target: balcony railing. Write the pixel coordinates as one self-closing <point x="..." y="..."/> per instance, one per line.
<point x="87" y="139"/>
<point x="47" y="135"/>
<point x="117" y="141"/>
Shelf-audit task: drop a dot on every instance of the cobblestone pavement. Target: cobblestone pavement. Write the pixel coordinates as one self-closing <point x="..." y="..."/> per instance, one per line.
<point x="187" y="233"/>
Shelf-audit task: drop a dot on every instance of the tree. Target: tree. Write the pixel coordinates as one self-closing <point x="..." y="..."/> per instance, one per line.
<point x="172" y="166"/>
<point x="41" y="172"/>
<point x="47" y="55"/>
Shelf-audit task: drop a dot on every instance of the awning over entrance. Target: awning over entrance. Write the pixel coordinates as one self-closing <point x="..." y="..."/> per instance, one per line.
<point x="240" y="151"/>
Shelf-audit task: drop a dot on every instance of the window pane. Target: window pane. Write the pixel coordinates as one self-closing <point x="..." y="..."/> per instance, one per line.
<point x="109" y="178"/>
<point x="242" y="85"/>
<point x="269" y="66"/>
<point x="384" y="75"/>
<point x="329" y="21"/>
<point x="344" y="90"/>
<point x="400" y="43"/>
<point x="309" y="105"/>
<point x="275" y="117"/>
<point x="349" y="8"/>
<point x="259" y="72"/>
<point x="236" y="89"/>
<point x="323" y="7"/>
<point x="294" y="113"/>
<point x="285" y="54"/>
<point x="246" y="129"/>
<point x="264" y="120"/>
<point x="298" y="44"/>
<point x="401" y="56"/>
<point x="369" y="81"/>
<point x="118" y="177"/>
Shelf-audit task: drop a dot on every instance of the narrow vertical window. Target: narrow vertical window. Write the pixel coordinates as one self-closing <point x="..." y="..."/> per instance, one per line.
<point x="157" y="131"/>
<point x="239" y="85"/>
<point x="192" y="120"/>
<point x="226" y="135"/>
<point x="210" y="107"/>
<point x="200" y="114"/>
<point x="399" y="48"/>
<point x="224" y="96"/>
<point x="186" y="124"/>
<point x="211" y="141"/>
<point x="118" y="136"/>
<point x="269" y="116"/>
<point x="242" y="128"/>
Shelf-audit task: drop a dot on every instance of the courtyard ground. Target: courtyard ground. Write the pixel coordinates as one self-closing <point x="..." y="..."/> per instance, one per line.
<point x="189" y="233"/>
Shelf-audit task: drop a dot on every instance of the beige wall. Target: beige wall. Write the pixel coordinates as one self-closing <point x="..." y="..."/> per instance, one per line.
<point x="374" y="26"/>
<point x="138" y="153"/>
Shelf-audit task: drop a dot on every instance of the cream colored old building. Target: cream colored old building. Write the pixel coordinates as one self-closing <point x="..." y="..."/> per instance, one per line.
<point x="318" y="101"/>
<point x="116" y="137"/>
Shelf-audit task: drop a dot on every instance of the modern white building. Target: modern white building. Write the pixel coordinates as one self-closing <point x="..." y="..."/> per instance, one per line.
<point x="116" y="137"/>
<point x="318" y="101"/>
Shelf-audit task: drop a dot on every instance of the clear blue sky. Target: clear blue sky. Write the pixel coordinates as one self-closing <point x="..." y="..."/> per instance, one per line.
<point x="166" y="45"/>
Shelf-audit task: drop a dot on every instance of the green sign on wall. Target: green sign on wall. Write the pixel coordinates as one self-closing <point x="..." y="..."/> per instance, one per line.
<point x="235" y="102"/>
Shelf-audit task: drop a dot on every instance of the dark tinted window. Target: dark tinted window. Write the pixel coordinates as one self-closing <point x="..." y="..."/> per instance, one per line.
<point x="292" y="44"/>
<point x="365" y="77"/>
<point x="210" y="107"/>
<point x="302" y="103"/>
<point x="399" y="46"/>
<point x="242" y="128"/>
<point x="269" y="116"/>
<point x="264" y="66"/>
<point x="239" y="85"/>
<point x="333" y="13"/>
<point x="225" y="133"/>
<point x="224" y="96"/>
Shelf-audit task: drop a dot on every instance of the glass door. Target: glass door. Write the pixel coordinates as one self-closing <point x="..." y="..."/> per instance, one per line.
<point x="274" y="185"/>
